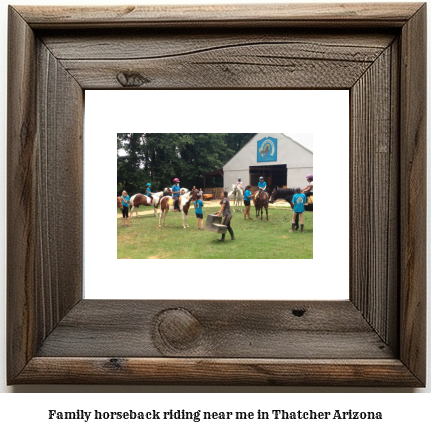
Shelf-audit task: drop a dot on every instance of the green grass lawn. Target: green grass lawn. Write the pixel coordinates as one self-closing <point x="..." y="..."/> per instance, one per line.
<point x="254" y="238"/>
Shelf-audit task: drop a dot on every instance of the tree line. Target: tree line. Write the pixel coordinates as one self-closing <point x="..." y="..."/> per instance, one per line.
<point x="158" y="158"/>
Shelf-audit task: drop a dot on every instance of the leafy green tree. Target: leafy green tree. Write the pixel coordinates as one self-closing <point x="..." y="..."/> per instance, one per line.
<point x="158" y="158"/>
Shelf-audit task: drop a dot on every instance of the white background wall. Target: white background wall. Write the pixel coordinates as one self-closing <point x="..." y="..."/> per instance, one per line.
<point x="29" y="411"/>
<point x="105" y="116"/>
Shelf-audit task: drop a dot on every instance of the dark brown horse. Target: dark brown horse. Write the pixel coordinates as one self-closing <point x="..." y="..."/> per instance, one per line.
<point x="287" y="194"/>
<point x="261" y="202"/>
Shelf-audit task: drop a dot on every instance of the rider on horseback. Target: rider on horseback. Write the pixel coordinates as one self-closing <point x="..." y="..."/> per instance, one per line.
<point x="262" y="186"/>
<point x="239" y="183"/>
<point x="176" y="194"/>
<point x="149" y="194"/>
<point x="309" y="188"/>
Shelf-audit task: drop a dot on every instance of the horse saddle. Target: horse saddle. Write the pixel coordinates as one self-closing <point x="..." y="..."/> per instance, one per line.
<point x="310" y="199"/>
<point x="171" y="202"/>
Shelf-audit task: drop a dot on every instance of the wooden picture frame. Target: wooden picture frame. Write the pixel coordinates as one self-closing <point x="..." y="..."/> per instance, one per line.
<point x="376" y="338"/>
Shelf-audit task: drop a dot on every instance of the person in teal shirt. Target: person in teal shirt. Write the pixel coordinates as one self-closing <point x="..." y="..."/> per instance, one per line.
<point x="125" y="201"/>
<point x="247" y="195"/>
<point x="149" y="194"/>
<point x="261" y="185"/>
<point x="199" y="212"/>
<point x="298" y="201"/>
<point x="176" y="194"/>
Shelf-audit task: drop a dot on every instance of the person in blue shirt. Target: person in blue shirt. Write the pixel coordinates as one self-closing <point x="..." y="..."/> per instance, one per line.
<point x="125" y="201"/>
<point x="199" y="212"/>
<point x="247" y="195"/>
<point x="149" y="194"/>
<point x="261" y="185"/>
<point x="298" y="201"/>
<point x="176" y="194"/>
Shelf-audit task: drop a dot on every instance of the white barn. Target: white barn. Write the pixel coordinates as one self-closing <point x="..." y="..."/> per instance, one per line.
<point x="278" y="158"/>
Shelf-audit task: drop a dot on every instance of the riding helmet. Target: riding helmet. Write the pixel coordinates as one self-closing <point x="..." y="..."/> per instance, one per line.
<point x="310" y="176"/>
<point x="261" y="178"/>
<point x="148" y="184"/>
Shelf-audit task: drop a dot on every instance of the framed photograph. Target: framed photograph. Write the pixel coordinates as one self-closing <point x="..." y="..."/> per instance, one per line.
<point x="374" y="338"/>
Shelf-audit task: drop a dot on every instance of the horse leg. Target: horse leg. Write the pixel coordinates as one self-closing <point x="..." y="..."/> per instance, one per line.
<point x="266" y="209"/>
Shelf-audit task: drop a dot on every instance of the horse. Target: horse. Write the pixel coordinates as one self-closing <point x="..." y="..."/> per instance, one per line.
<point x="261" y="203"/>
<point x="167" y="203"/>
<point x="119" y="203"/>
<point x="238" y="196"/>
<point x="140" y="199"/>
<point x="288" y="194"/>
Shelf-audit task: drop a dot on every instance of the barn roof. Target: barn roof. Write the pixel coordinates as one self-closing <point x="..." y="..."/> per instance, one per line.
<point x="244" y="146"/>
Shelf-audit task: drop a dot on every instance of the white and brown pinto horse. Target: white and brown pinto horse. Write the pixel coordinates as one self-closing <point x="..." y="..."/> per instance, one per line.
<point x="140" y="199"/>
<point x="238" y="199"/>
<point x="167" y="203"/>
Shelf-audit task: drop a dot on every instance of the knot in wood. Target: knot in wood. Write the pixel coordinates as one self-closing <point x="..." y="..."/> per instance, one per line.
<point x="178" y="329"/>
<point x="131" y="79"/>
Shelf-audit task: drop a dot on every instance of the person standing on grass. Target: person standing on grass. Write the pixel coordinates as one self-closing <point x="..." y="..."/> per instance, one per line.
<point x="298" y="201"/>
<point x="247" y="195"/>
<point x="125" y="201"/>
<point x="199" y="212"/>
<point x="227" y="215"/>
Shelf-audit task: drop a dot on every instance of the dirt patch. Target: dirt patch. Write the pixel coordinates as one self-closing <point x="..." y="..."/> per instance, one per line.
<point x="160" y="256"/>
<point x="140" y="213"/>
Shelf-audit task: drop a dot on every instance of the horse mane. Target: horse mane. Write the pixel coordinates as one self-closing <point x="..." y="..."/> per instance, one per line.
<point x="283" y="193"/>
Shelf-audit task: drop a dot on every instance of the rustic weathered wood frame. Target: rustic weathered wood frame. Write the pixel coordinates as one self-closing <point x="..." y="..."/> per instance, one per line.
<point x="376" y="338"/>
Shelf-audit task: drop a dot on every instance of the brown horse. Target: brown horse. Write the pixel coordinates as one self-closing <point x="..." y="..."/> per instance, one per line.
<point x="167" y="203"/>
<point x="260" y="203"/>
<point x="119" y="203"/>
<point x="140" y="199"/>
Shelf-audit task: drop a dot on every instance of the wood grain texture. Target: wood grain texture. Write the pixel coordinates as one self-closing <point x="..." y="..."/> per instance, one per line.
<point x="208" y="60"/>
<point x="198" y="371"/>
<point x="374" y="195"/>
<point x="45" y="106"/>
<point x="299" y="14"/>
<point x="21" y="190"/>
<point x="377" y="338"/>
<point x="240" y="329"/>
<point x="413" y="194"/>
<point x="59" y="174"/>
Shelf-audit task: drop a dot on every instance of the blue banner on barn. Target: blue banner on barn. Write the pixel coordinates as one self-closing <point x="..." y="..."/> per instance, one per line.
<point x="267" y="150"/>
